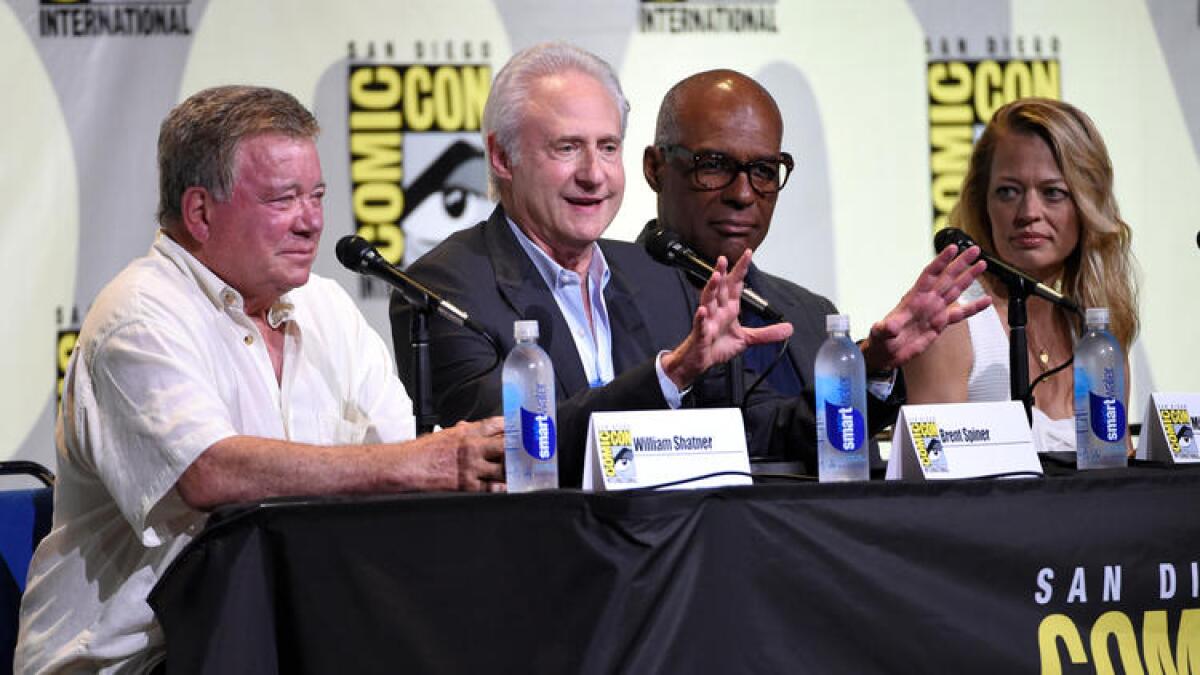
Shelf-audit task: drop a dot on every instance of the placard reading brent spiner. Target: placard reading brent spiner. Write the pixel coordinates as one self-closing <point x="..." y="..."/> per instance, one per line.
<point x="962" y="440"/>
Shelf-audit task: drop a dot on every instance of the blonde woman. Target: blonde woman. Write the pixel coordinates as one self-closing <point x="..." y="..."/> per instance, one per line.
<point x="1038" y="194"/>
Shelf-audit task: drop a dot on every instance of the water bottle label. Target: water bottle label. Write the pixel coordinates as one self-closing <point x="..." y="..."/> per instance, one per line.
<point x="538" y="436"/>
<point x="844" y="427"/>
<point x="1108" y="417"/>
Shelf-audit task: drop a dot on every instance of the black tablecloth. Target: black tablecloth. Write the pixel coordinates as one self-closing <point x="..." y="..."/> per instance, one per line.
<point x="1004" y="576"/>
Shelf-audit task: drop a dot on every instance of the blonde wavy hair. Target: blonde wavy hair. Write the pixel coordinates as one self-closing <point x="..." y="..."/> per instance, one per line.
<point x="1100" y="272"/>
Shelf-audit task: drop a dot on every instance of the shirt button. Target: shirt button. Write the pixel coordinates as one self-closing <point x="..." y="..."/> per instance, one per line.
<point x="249" y="340"/>
<point x="228" y="298"/>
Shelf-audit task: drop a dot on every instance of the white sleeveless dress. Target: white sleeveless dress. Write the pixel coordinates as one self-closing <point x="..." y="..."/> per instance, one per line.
<point x="989" y="380"/>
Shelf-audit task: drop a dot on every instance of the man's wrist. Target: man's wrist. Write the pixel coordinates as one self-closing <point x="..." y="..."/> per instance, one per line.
<point x="671" y="391"/>
<point x="672" y="364"/>
<point x="874" y="370"/>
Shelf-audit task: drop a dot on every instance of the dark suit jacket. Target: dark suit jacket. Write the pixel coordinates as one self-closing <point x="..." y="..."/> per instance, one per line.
<point x="778" y="427"/>
<point x="485" y="271"/>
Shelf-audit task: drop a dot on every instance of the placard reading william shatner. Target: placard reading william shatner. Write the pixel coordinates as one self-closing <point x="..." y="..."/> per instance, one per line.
<point x="651" y="447"/>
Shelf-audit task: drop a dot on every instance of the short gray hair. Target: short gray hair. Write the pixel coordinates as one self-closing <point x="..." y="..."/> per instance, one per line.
<point x="199" y="139"/>
<point x="505" y="106"/>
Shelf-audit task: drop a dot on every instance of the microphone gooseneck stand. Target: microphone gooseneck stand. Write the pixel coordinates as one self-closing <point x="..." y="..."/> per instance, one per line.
<point x="422" y="371"/>
<point x="358" y="255"/>
<point x="1018" y="346"/>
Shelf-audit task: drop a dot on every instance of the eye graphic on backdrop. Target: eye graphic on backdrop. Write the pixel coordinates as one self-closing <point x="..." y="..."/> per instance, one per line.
<point x="458" y="180"/>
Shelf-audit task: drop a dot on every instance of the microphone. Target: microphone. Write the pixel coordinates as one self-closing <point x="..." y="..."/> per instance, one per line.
<point x="1009" y="274"/>
<point x="666" y="248"/>
<point x="357" y="255"/>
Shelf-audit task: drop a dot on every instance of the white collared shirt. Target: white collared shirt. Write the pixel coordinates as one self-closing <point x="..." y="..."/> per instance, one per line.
<point x="167" y="364"/>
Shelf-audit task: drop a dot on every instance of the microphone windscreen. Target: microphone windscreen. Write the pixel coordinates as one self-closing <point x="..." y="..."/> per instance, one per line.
<point x="952" y="235"/>
<point x="350" y="251"/>
<point x="659" y="243"/>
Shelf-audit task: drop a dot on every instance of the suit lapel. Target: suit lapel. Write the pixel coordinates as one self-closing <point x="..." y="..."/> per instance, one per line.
<point x="523" y="288"/>
<point x="631" y="342"/>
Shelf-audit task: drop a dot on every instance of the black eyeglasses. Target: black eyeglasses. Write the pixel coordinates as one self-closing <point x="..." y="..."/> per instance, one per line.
<point x="714" y="171"/>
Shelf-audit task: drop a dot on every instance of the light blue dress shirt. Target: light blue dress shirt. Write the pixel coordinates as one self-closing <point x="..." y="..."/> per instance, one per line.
<point x="593" y="338"/>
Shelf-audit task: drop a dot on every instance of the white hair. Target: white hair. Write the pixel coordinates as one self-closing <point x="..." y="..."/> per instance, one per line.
<point x="504" y="109"/>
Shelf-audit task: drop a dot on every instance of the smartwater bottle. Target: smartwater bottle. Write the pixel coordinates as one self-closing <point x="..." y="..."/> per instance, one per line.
<point x="1099" y="396"/>
<point x="530" y="434"/>
<point x="841" y="379"/>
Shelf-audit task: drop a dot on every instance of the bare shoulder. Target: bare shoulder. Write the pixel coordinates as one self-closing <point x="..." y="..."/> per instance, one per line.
<point x="940" y="373"/>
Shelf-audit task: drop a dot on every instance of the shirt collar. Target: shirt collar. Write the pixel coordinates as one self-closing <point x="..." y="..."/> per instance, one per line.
<point x="221" y="294"/>
<point x="556" y="276"/>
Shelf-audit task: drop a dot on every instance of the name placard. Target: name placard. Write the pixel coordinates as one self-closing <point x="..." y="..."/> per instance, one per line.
<point x="638" y="448"/>
<point x="1169" y="428"/>
<point x="962" y="440"/>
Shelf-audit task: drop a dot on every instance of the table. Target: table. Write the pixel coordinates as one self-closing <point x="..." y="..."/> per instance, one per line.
<point x="1004" y="576"/>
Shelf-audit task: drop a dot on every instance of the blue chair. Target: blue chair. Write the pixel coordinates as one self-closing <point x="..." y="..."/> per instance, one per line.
<point x="24" y="520"/>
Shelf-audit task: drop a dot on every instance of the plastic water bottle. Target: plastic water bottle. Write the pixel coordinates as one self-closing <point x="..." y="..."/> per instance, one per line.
<point x="841" y="380"/>
<point x="530" y="432"/>
<point x="1099" y="396"/>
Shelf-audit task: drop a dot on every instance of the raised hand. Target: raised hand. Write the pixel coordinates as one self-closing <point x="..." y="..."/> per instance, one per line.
<point x="926" y="309"/>
<point x="716" y="335"/>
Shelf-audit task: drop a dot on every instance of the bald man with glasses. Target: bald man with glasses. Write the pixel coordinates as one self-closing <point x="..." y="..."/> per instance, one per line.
<point x="717" y="168"/>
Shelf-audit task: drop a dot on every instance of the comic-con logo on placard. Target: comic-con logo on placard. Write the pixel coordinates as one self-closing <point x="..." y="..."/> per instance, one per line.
<point x="965" y="92"/>
<point x="707" y="16"/>
<point x="927" y="441"/>
<point x="616" y="454"/>
<point x="1180" y="431"/>
<point x="416" y="160"/>
<point x="95" y="18"/>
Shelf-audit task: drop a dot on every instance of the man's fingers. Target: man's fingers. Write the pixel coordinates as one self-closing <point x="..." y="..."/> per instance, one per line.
<point x="964" y="279"/>
<point x="944" y="270"/>
<point x="491" y="426"/>
<point x="486" y="469"/>
<point x="962" y="263"/>
<point x="712" y="288"/>
<point x="939" y="263"/>
<point x="973" y="308"/>
<point x="741" y="267"/>
<point x="481" y="461"/>
<point x="766" y="334"/>
<point x="493" y="449"/>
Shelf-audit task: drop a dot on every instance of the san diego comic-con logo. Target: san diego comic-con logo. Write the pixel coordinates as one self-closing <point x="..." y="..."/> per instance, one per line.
<point x="927" y="441"/>
<point x="616" y="454"/>
<point x="95" y="18"/>
<point x="1180" y="429"/>
<point x="707" y="16"/>
<point x="417" y="164"/>
<point x="965" y="89"/>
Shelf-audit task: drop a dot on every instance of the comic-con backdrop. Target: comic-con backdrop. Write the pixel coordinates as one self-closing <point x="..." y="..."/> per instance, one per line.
<point x="881" y="99"/>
